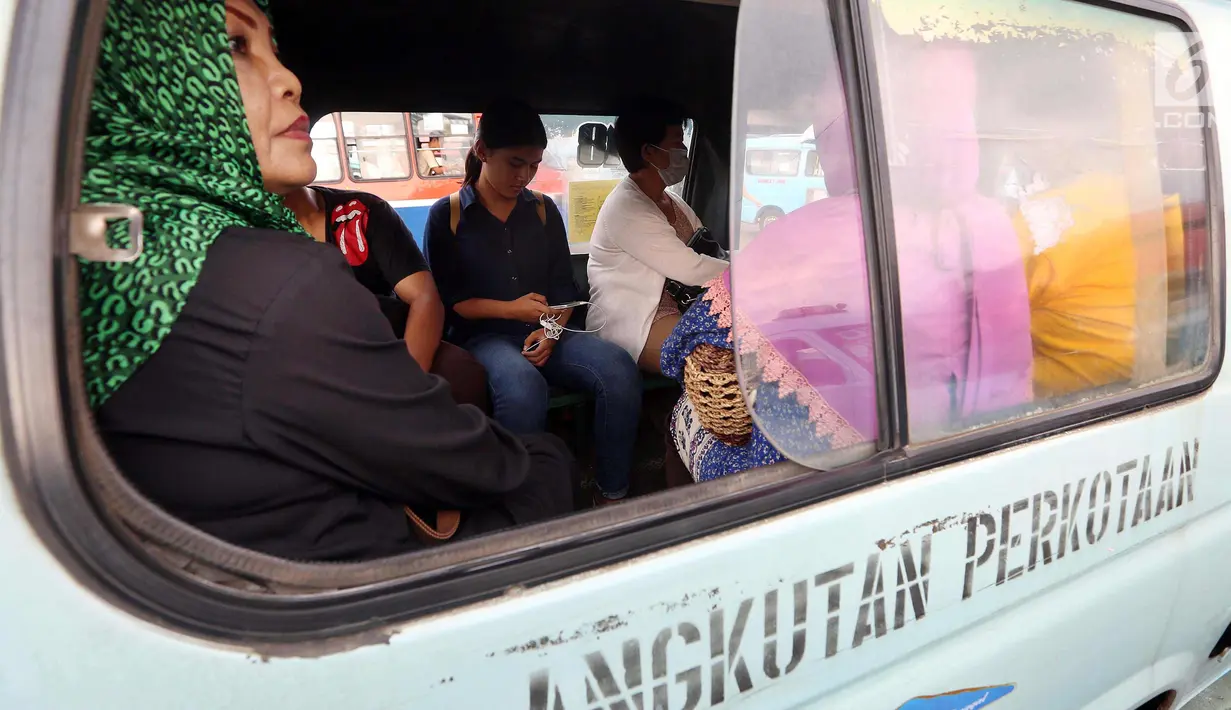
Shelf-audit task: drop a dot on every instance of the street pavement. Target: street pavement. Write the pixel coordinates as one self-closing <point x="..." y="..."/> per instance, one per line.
<point x="1217" y="697"/>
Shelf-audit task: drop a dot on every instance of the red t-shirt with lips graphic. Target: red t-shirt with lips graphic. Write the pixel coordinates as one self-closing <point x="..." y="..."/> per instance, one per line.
<point x="372" y="237"/>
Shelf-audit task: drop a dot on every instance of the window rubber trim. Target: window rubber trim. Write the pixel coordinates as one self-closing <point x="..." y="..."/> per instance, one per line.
<point x="338" y="145"/>
<point x="50" y="457"/>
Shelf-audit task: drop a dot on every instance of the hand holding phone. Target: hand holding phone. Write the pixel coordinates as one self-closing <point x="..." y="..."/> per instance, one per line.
<point x="537" y="348"/>
<point x="529" y="308"/>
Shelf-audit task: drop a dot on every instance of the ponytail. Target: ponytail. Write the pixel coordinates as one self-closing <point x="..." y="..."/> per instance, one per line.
<point x="474" y="166"/>
<point x="504" y="124"/>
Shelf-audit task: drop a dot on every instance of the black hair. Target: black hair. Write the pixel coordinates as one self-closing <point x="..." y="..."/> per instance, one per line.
<point x="644" y="121"/>
<point x="506" y="123"/>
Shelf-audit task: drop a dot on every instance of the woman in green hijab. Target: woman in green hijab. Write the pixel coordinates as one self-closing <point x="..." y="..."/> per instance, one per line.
<point x="241" y="376"/>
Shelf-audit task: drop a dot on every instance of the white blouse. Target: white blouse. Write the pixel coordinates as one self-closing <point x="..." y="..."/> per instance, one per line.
<point x="633" y="251"/>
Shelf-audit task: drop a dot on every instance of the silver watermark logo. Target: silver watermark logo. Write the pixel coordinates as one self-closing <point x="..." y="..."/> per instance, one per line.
<point x="1181" y="75"/>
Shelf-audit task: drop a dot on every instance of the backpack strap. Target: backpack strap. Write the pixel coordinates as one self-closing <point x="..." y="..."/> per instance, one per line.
<point x="455" y="212"/>
<point x="540" y="206"/>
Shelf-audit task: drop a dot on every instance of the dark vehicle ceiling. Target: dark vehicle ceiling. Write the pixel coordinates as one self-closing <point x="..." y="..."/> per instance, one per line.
<point x="562" y="56"/>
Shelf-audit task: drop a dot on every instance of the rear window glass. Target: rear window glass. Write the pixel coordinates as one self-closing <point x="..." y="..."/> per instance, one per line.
<point x="376" y="145"/>
<point x="812" y="168"/>
<point x="441" y="143"/>
<point x="418" y="157"/>
<point x="773" y="162"/>
<point x="325" y="151"/>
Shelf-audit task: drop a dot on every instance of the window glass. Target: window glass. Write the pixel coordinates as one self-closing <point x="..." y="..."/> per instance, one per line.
<point x="442" y="141"/>
<point x="1049" y="215"/>
<point x="773" y="162"/>
<point x="376" y="145"/>
<point x="813" y="165"/>
<point x="580" y="190"/>
<point x="325" y="151"/>
<point x="377" y="148"/>
<point x="678" y="188"/>
<point x="801" y="315"/>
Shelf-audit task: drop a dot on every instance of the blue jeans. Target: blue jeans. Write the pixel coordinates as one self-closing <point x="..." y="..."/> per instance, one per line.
<point x="581" y="362"/>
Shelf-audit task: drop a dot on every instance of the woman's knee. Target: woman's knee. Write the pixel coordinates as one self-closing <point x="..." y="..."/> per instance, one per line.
<point x="618" y="372"/>
<point x="650" y="359"/>
<point x="520" y="385"/>
<point x="651" y="353"/>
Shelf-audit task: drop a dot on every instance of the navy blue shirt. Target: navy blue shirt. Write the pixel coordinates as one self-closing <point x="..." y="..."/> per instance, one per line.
<point x="501" y="261"/>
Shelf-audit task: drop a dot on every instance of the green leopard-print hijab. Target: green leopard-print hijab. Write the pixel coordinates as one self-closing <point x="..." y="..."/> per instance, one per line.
<point x="167" y="134"/>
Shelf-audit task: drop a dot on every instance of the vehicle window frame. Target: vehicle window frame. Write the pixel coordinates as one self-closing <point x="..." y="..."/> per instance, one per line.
<point x="339" y="145"/>
<point x="688" y="188"/>
<point x="345" y="154"/>
<point x="51" y="448"/>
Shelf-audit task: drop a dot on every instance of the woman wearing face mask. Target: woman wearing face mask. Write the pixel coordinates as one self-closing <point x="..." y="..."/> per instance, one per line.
<point x="501" y="260"/>
<point x="242" y="378"/>
<point x="641" y="237"/>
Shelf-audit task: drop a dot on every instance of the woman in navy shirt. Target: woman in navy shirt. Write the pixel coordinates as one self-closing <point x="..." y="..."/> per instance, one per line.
<point x="501" y="260"/>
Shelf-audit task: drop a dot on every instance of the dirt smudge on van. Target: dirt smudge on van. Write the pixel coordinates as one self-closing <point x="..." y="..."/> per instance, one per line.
<point x="536" y="644"/>
<point x="934" y="526"/>
<point x="611" y="623"/>
<point x="669" y="607"/>
<point x="940" y="524"/>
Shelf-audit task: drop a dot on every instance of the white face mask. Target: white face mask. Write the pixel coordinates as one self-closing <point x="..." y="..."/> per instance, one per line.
<point x="677" y="166"/>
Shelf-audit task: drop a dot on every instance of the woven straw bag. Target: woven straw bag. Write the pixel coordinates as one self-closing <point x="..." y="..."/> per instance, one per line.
<point x="713" y="388"/>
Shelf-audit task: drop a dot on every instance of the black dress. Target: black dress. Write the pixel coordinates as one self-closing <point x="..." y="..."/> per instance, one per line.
<point x="281" y="414"/>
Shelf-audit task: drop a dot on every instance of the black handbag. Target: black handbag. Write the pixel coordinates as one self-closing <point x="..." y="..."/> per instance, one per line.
<point x="703" y="243"/>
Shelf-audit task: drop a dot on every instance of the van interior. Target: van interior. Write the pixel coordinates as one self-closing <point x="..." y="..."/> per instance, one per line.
<point x="614" y="50"/>
<point x="575" y="58"/>
<point x="583" y="58"/>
